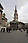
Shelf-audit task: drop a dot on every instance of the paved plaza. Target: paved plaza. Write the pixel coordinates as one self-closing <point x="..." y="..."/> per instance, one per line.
<point x="14" y="37"/>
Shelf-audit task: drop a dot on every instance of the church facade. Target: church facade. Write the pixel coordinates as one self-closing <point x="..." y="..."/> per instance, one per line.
<point x="15" y="24"/>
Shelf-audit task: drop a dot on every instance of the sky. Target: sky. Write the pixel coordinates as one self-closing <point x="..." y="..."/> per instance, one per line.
<point x="22" y="9"/>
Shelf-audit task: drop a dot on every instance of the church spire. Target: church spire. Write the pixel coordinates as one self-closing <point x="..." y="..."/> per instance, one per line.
<point x="15" y="15"/>
<point x="15" y="9"/>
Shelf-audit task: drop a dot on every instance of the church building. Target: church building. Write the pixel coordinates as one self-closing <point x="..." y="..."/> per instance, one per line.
<point x="15" y="24"/>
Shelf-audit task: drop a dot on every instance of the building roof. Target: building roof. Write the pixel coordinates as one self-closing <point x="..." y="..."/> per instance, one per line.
<point x="17" y="22"/>
<point x="21" y="23"/>
<point x="1" y="7"/>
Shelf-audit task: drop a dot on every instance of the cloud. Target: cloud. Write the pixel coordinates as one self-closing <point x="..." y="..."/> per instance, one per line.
<point x="22" y="6"/>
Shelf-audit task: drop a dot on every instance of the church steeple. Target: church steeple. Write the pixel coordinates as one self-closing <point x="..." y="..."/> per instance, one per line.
<point x="16" y="14"/>
<point x="15" y="9"/>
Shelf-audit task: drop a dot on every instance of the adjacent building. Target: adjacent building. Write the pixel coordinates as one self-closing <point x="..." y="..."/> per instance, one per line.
<point x="3" y="19"/>
<point x="1" y="8"/>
